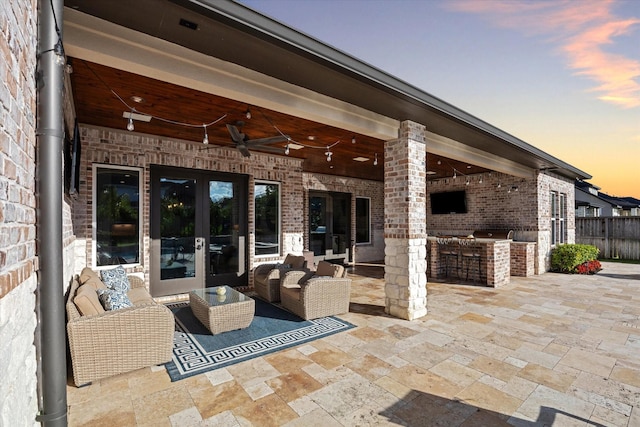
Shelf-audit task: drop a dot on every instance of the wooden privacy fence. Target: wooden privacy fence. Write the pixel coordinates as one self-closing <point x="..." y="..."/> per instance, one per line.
<point x="616" y="237"/>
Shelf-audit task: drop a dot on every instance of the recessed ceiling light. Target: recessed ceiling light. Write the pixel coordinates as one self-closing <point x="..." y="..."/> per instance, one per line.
<point x="360" y="159"/>
<point x="137" y="99"/>
<point x="431" y="173"/>
<point x="311" y="137"/>
<point x="468" y="166"/>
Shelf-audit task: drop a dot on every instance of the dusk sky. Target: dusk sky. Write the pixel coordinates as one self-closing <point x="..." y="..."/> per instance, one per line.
<point x="563" y="76"/>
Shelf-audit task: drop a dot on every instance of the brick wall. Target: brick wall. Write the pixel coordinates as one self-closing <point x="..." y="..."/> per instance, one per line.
<point x="122" y="148"/>
<point x="546" y="184"/>
<point x="494" y="201"/>
<point x="115" y="147"/>
<point x="523" y="259"/>
<point x="18" y="262"/>
<point x="500" y="201"/>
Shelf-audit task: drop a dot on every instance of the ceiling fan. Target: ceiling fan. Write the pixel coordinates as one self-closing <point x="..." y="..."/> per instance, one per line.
<point x="243" y="143"/>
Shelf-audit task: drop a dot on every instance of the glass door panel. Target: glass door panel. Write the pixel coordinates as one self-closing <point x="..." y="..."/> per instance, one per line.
<point x="341" y="232"/>
<point x="224" y="230"/>
<point x="318" y="225"/>
<point x="177" y="228"/>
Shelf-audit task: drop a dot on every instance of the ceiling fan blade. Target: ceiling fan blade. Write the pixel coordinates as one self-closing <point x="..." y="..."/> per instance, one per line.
<point x="269" y="140"/>
<point x="236" y="136"/>
<point x="244" y="150"/>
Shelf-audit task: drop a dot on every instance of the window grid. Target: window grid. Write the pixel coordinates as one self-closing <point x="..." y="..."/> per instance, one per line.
<point x="558" y="218"/>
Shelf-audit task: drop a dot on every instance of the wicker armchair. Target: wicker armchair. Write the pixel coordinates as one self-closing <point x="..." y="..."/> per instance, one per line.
<point x="266" y="277"/>
<point x="118" y="341"/>
<point x="322" y="293"/>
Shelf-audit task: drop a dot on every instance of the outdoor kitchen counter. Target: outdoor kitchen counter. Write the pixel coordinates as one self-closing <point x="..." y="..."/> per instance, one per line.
<point x="495" y="261"/>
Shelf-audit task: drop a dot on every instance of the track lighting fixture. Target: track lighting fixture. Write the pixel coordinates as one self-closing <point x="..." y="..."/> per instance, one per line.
<point x="353" y="140"/>
<point x="130" y="126"/>
<point x="375" y="160"/>
<point x="247" y="114"/>
<point x="467" y="182"/>
<point x="455" y="174"/>
<point x="286" y="150"/>
<point x="480" y="180"/>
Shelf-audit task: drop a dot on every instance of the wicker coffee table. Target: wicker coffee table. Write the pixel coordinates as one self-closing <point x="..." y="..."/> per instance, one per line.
<point x="222" y="313"/>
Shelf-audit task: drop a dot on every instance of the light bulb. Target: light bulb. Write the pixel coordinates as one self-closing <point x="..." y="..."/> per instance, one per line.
<point x="375" y="161"/>
<point x="248" y="114"/>
<point x="59" y="52"/>
<point x="454" y="174"/>
<point x="467" y="183"/>
<point x="329" y="157"/>
<point x="205" y="140"/>
<point x="130" y="126"/>
<point x="480" y="180"/>
<point x="286" y="150"/>
<point x="353" y="140"/>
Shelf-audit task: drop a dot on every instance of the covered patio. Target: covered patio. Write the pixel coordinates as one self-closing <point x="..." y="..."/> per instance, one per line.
<point x="552" y="349"/>
<point x="192" y="119"/>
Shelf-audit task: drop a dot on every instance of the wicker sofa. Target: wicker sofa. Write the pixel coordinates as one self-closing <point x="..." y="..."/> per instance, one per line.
<point x="105" y="343"/>
<point x="314" y="294"/>
<point x="266" y="277"/>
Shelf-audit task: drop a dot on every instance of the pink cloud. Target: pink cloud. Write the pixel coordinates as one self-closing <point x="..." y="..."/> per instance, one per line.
<point x="582" y="30"/>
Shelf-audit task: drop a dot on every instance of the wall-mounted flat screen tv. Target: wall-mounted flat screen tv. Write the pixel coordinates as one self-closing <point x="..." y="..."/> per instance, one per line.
<point x="448" y="202"/>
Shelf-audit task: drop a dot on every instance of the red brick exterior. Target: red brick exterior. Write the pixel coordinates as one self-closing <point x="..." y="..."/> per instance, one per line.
<point x="114" y="147"/>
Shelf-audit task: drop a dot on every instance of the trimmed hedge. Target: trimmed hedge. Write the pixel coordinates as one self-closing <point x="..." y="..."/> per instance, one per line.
<point x="566" y="258"/>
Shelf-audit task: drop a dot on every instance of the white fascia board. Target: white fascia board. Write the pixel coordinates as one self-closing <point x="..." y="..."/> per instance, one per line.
<point x="455" y="150"/>
<point x="96" y="40"/>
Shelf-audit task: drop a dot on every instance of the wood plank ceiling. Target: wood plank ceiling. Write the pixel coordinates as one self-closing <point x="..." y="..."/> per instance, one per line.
<point x="101" y="95"/>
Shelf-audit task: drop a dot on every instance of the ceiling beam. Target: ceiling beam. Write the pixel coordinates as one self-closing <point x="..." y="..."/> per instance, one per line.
<point x="442" y="146"/>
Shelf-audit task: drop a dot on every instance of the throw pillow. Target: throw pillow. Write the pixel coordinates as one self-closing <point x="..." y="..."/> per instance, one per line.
<point x="327" y="269"/>
<point x="296" y="262"/>
<point x="113" y="300"/>
<point x="88" y="276"/>
<point x="116" y="279"/>
<point x="87" y="302"/>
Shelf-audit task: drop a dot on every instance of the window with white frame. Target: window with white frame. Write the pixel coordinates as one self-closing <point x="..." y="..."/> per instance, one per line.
<point x="363" y="220"/>
<point x="558" y="217"/>
<point x="267" y="218"/>
<point x="116" y="215"/>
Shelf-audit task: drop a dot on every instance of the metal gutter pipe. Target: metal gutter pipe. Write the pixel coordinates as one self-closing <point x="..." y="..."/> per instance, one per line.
<point x="49" y="138"/>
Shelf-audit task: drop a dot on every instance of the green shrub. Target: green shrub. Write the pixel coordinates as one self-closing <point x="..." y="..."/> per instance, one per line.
<point x="566" y="258"/>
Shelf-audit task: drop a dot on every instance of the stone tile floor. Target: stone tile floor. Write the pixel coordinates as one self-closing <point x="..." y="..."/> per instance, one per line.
<point x="560" y="350"/>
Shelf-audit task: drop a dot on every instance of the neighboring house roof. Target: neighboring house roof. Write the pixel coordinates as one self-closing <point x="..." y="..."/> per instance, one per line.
<point x="615" y="202"/>
<point x="622" y="202"/>
<point x="240" y="35"/>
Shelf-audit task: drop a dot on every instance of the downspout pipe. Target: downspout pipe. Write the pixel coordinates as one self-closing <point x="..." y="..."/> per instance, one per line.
<point x="49" y="140"/>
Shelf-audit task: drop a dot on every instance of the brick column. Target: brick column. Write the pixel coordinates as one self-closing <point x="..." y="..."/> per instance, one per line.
<point x="405" y="233"/>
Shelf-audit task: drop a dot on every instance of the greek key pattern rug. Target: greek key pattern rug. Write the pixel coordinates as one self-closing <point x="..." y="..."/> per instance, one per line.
<point x="196" y="350"/>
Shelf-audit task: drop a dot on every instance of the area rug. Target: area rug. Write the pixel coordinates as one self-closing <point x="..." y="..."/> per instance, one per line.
<point x="196" y="350"/>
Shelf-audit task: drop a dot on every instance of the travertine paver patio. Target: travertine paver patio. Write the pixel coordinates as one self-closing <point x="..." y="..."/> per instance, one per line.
<point x="554" y="349"/>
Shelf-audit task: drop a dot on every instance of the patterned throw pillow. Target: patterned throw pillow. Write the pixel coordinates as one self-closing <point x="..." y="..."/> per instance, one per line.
<point x="113" y="300"/>
<point x="116" y="279"/>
